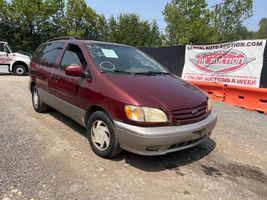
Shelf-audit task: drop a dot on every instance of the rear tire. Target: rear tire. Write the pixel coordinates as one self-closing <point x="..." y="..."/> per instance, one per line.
<point x="36" y="101"/>
<point x="20" y="70"/>
<point x="102" y="135"/>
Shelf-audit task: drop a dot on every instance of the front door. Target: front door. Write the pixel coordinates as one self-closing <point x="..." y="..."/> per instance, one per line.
<point x="5" y="58"/>
<point x="67" y="88"/>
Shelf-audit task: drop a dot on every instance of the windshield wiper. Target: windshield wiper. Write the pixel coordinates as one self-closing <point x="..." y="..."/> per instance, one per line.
<point x="152" y="73"/>
<point x="122" y="72"/>
<point x="118" y="71"/>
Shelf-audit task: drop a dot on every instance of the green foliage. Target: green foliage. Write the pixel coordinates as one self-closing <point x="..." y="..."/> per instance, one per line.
<point x="81" y="21"/>
<point x="25" y="24"/>
<point x="262" y="33"/>
<point x="29" y="23"/>
<point x="228" y="19"/>
<point x="192" y="21"/>
<point x="129" y="29"/>
<point x="188" y="21"/>
<point x="4" y="9"/>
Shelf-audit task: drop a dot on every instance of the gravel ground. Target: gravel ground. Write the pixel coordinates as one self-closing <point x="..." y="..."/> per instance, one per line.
<point x="47" y="156"/>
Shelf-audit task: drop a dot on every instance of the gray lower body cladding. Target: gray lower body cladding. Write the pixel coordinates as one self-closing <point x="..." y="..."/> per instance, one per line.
<point x="163" y="140"/>
<point x="62" y="106"/>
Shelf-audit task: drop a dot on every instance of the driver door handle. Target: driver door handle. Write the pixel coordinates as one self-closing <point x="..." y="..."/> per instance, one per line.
<point x="57" y="77"/>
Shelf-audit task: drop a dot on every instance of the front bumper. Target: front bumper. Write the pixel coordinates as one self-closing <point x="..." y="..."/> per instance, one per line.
<point x="163" y="140"/>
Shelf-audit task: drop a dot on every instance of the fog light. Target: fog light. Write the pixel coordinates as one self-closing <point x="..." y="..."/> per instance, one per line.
<point x="153" y="148"/>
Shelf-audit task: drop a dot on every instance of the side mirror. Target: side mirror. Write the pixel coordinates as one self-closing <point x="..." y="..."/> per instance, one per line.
<point x="75" y="70"/>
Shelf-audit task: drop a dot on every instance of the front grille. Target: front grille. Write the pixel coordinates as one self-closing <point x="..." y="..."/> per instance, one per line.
<point x="191" y="115"/>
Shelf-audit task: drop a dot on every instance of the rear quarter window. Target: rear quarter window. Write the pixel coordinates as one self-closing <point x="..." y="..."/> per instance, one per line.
<point x="37" y="53"/>
<point x="47" y="53"/>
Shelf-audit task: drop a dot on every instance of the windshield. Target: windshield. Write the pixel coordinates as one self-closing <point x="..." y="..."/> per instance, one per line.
<point x="122" y="59"/>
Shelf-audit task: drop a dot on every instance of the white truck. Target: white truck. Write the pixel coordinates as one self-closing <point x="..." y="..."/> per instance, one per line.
<point x="10" y="62"/>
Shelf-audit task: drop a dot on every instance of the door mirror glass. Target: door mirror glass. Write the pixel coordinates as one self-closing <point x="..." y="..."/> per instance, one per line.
<point x="75" y="70"/>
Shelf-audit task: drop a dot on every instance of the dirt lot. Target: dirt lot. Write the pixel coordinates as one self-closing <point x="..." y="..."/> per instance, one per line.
<point x="47" y="156"/>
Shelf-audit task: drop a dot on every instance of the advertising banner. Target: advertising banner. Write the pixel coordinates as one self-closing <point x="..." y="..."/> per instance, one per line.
<point x="234" y="63"/>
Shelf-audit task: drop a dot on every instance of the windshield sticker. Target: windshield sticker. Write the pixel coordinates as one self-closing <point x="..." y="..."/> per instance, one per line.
<point x="96" y="53"/>
<point x="109" y="53"/>
<point x="143" y="61"/>
<point x="95" y="50"/>
<point x="107" y="65"/>
<point x="93" y="46"/>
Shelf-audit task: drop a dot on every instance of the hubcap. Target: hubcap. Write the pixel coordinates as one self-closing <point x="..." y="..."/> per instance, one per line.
<point x="35" y="99"/>
<point x="100" y="135"/>
<point x="19" y="70"/>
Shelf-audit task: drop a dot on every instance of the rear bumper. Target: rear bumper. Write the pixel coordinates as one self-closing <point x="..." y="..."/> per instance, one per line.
<point x="163" y="140"/>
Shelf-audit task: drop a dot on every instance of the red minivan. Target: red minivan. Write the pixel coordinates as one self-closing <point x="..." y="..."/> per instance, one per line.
<point x="124" y="98"/>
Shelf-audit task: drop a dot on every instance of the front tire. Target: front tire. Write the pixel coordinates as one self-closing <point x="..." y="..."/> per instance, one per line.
<point x="36" y="101"/>
<point x="102" y="135"/>
<point x="20" y="70"/>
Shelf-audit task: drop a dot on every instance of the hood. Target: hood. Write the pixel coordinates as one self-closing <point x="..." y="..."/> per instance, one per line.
<point x="167" y="92"/>
<point x="21" y="56"/>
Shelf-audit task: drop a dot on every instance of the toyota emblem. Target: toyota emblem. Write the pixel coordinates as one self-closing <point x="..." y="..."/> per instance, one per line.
<point x="194" y="112"/>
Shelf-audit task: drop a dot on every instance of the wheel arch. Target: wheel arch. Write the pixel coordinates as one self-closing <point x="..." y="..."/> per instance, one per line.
<point x="32" y="84"/>
<point x="94" y="109"/>
<point x="13" y="66"/>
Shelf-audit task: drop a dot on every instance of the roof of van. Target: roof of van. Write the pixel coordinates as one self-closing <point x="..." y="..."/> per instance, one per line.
<point x="84" y="40"/>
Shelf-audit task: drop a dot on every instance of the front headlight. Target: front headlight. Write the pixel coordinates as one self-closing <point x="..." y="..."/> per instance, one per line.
<point x="209" y="105"/>
<point x="144" y="114"/>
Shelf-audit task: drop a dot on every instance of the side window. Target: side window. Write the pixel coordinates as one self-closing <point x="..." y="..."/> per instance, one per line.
<point x="2" y="47"/>
<point x="6" y="49"/>
<point x="49" y="53"/>
<point x="73" y="56"/>
<point x="37" y="53"/>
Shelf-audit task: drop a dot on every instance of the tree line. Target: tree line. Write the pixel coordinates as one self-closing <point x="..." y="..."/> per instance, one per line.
<point x="27" y="23"/>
